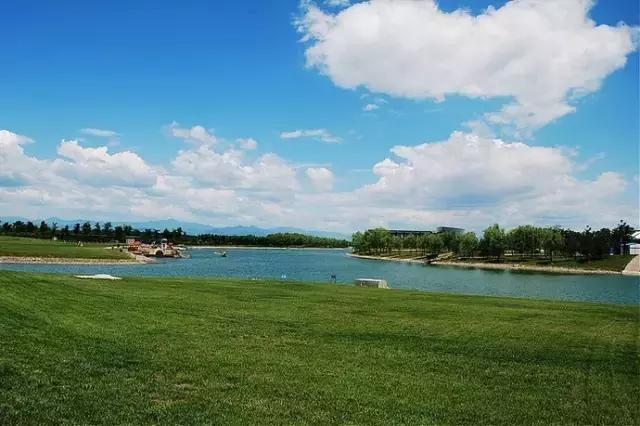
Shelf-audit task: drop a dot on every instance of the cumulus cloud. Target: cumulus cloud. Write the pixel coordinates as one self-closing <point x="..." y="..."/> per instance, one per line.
<point x="229" y="169"/>
<point x="319" y="134"/>
<point x="95" y="166"/>
<point x="248" y="144"/>
<point x="15" y="167"/>
<point x="541" y="54"/>
<point x="466" y="180"/>
<point x="321" y="178"/>
<point x="197" y="134"/>
<point x="370" y="107"/>
<point x="511" y="181"/>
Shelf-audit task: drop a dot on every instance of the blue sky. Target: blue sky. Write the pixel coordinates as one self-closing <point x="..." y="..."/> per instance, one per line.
<point x="240" y="70"/>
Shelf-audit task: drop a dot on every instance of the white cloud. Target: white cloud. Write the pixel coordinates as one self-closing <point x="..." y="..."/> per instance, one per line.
<point x="370" y="107"/>
<point x="95" y="166"/>
<point x="542" y="54"/>
<point x="101" y="133"/>
<point x="196" y="134"/>
<point x="248" y="144"/>
<point x="466" y="180"/>
<point x="229" y="169"/>
<point x="321" y="178"/>
<point x="494" y="180"/>
<point x="319" y="134"/>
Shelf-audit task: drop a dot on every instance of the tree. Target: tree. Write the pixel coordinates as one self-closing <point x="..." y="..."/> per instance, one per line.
<point x="434" y="243"/>
<point x="119" y="234"/>
<point x="411" y="242"/>
<point x="65" y="232"/>
<point x="551" y="240"/>
<point x="494" y="239"/>
<point x="621" y="235"/>
<point x="468" y="244"/>
<point x="450" y="240"/>
<point x="43" y="231"/>
<point x="107" y="229"/>
<point x="396" y="242"/>
<point x="86" y="229"/>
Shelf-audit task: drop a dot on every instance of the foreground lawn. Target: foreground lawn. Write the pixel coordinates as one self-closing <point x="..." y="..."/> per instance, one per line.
<point x="32" y="247"/>
<point x="148" y="350"/>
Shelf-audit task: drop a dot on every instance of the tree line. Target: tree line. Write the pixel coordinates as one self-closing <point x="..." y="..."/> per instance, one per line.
<point x="107" y="233"/>
<point x="525" y="241"/>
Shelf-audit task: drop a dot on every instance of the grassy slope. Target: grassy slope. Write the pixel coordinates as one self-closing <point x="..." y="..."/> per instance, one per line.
<point x="225" y="351"/>
<point x="611" y="263"/>
<point x="26" y="247"/>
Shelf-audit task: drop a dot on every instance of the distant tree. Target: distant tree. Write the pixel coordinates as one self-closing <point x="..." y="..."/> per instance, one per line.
<point x="86" y="229"/>
<point x="65" y="232"/>
<point x="107" y="229"/>
<point x="411" y="242"/>
<point x="494" y="241"/>
<point x="434" y="243"/>
<point x="551" y="240"/>
<point x="621" y="235"/>
<point x="450" y="241"/>
<point x="468" y="244"/>
<point x="119" y="234"/>
<point x="44" y="230"/>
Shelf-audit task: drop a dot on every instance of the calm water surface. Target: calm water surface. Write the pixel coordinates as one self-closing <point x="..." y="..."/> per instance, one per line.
<point x="317" y="265"/>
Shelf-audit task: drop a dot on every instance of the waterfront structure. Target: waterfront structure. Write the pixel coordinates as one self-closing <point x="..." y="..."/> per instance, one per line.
<point x="441" y="229"/>
<point x="406" y="232"/>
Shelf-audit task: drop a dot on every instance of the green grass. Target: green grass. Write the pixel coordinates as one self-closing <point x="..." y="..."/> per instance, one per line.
<point x="192" y="351"/>
<point x="610" y="263"/>
<point x="31" y="247"/>
<point x="615" y="263"/>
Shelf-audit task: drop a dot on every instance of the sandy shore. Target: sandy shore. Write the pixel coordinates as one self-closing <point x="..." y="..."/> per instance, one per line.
<point x="388" y="259"/>
<point x="500" y="266"/>
<point x="135" y="260"/>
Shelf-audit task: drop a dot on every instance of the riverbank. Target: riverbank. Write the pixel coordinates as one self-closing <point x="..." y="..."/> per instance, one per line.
<point x="262" y="248"/>
<point x="134" y="260"/>
<point x="511" y="266"/>
<point x="148" y="350"/>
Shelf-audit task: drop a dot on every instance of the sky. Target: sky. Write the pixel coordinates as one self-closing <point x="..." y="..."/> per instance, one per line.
<point x="329" y="114"/>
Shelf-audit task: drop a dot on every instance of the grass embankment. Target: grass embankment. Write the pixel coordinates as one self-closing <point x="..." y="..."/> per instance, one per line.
<point x="615" y="263"/>
<point x="31" y="247"/>
<point x="151" y="350"/>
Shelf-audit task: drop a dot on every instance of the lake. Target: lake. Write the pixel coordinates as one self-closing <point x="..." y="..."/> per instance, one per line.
<point x="317" y="265"/>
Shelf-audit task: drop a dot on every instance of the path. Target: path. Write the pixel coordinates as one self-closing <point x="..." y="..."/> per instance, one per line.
<point x="633" y="267"/>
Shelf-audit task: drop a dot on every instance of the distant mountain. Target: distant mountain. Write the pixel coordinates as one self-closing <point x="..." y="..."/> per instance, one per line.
<point x="189" y="227"/>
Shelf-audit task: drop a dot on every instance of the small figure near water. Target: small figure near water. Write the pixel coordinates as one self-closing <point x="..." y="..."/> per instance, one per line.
<point x="333" y="278"/>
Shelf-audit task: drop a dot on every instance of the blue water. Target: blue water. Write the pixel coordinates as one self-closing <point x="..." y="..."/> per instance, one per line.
<point x="317" y="265"/>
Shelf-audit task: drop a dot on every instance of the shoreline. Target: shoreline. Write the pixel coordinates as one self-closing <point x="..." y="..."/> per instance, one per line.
<point x="39" y="260"/>
<point x="263" y="248"/>
<point x="502" y="266"/>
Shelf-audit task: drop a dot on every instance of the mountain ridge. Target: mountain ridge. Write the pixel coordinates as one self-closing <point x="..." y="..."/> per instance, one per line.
<point x="191" y="228"/>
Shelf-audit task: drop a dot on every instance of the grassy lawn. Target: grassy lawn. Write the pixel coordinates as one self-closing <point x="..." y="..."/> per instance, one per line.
<point x="151" y="350"/>
<point x="26" y="247"/>
<point x="611" y="263"/>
